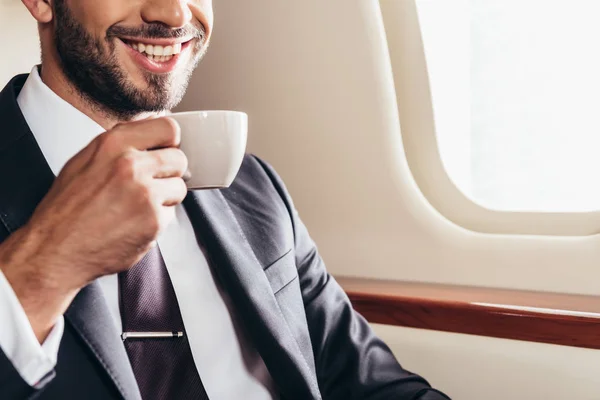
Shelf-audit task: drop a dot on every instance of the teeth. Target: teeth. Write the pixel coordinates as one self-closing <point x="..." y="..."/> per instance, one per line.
<point x="159" y="58"/>
<point x="157" y="50"/>
<point x="157" y="53"/>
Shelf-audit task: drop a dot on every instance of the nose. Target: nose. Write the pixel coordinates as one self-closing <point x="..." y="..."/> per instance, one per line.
<point x="173" y="13"/>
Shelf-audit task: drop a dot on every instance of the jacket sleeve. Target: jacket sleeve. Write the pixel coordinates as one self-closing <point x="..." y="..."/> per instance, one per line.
<point x="351" y="361"/>
<point x="12" y="386"/>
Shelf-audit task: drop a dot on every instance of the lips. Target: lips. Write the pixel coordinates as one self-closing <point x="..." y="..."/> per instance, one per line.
<point x="156" y="55"/>
<point x="156" y="52"/>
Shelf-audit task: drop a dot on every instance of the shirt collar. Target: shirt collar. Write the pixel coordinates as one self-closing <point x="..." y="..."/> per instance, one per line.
<point x="60" y="129"/>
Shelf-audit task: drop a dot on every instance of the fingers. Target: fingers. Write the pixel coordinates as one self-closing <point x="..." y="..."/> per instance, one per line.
<point x="166" y="194"/>
<point x="169" y="191"/>
<point x="145" y="135"/>
<point x="149" y="134"/>
<point x="164" y="163"/>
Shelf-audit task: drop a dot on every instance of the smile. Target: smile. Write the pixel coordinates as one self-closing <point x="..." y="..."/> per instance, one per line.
<point x="157" y="55"/>
<point x="157" y="52"/>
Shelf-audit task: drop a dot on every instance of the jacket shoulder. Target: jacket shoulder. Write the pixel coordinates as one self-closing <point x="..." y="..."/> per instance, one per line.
<point x="258" y="201"/>
<point x="256" y="175"/>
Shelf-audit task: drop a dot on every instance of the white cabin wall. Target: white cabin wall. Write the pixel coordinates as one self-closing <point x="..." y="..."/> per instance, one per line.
<point x="21" y="47"/>
<point x="480" y="368"/>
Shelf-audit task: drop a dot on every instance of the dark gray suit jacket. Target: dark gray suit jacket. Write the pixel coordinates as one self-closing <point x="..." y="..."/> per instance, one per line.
<point x="312" y="341"/>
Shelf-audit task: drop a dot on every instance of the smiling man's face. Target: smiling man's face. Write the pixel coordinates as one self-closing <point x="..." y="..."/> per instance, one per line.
<point x="127" y="57"/>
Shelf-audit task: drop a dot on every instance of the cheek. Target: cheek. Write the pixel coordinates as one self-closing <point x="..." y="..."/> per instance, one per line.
<point x="97" y="16"/>
<point x="203" y="12"/>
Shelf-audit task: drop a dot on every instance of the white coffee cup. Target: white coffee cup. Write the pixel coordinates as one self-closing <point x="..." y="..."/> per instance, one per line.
<point x="214" y="143"/>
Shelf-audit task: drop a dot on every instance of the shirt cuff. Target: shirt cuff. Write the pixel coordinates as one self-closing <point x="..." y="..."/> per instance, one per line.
<point x="34" y="362"/>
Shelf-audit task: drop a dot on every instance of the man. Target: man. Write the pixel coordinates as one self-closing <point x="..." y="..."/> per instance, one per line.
<point x="105" y="255"/>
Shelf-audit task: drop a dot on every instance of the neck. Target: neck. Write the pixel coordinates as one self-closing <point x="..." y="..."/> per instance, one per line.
<point x="53" y="77"/>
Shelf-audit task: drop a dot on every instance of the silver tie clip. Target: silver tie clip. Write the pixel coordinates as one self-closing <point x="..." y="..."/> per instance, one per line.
<point x="150" y="335"/>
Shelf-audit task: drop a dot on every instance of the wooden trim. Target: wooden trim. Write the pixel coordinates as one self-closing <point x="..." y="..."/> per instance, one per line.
<point x="570" y="320"/>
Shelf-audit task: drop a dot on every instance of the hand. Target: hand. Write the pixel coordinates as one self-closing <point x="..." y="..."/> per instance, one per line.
<point x="102" y="214"/>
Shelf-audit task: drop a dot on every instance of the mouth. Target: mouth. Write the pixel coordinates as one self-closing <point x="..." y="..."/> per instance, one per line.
<point x="157" y="55"/>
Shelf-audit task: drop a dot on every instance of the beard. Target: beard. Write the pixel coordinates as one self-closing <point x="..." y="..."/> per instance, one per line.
<point x="92" y="67"/>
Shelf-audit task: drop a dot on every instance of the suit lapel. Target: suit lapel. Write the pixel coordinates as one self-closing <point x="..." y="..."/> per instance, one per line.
<point x="91" y="319"/>
<point x="25" y="178"/>
<point x="243" y="278"/>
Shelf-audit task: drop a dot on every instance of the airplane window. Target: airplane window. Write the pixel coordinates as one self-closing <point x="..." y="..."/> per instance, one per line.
<point x="515" y="88"/>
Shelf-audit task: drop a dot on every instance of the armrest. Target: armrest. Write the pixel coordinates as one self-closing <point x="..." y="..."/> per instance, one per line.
<point x="564" y="319"/>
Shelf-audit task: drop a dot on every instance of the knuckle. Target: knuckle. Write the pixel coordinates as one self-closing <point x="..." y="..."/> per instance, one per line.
<point x="126" y="166"/>
<point x="148" y="235"/>
<point x="69" y="165"/>
<point x="165" y="157"/>
<point x="182" y="189"/>
<point x="145" y="196"/>
<point x="101" y="139"/>
<point x="109" y="142"/>
<point x="179" y="161"/>
<point x="153" y="225"/>
<point x="159" y="158"/>
<point x="147" y="210"/>
<point x="171" y="130"/>
<point x="183" y="158"/>
<point x="152" y="221"/>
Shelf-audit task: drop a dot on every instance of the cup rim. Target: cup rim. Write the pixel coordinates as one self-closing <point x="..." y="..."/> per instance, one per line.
<point x="208" y="112"/>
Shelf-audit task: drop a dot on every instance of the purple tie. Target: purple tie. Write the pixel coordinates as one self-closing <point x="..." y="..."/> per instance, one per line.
<point x="154" y="335"/>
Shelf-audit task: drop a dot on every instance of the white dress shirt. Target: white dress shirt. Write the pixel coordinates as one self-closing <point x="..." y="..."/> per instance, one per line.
<point x="228" y="364"/>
